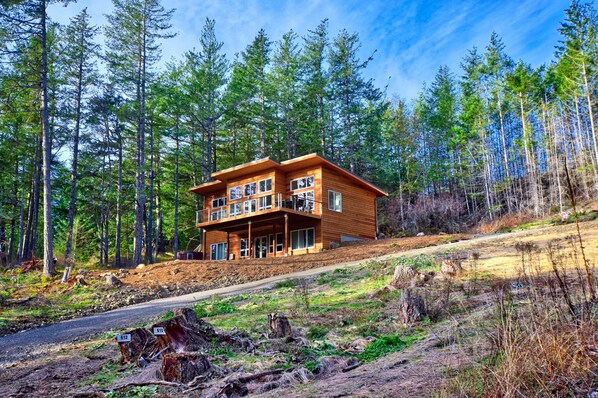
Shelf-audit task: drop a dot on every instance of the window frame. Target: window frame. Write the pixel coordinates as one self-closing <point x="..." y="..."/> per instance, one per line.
<point x="252" y="191"/>
<point x="250" y="201"/>
<point x="281" y="244"/>
<point x="306" y="185"/>
<point x="230" y="192"/>
<point x="260" y="199"/>
<point x="220" y="202"/>
<point x="305" y="238"/>
<point x="332" y="203"/>
<point x="214" y="253"/>
<point x="239" y="209"/>
<point x="244" y="252"/>
<point x="265" y="180"/>
<point x="218" y="214"/>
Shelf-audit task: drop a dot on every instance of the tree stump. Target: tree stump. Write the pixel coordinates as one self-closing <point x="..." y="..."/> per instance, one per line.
<point x="413" y="308"/>
<point x="402" y="276"/>
<point x="184" y="367"/>
<point x="451" y="267"/>
<point x="142" y="345"/>
<point x="278" y="325"/>
<point x="184" y="332"/>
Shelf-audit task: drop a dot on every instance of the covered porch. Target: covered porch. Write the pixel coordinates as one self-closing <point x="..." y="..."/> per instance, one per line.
<point x="278" y="233"/>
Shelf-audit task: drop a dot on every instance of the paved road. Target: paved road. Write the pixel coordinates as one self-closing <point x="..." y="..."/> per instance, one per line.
<point x="41" y="340"/>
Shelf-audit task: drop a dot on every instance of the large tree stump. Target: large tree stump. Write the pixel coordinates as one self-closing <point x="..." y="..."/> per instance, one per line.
<point x="451" y="267"/>
<point x="142" y="345"/>
<point x="413" y="308"/>
<point x="184" y="367"/>
<point x="402" y="276"/>
<point x="184" y="332"/>
<point x="278" y="325"/>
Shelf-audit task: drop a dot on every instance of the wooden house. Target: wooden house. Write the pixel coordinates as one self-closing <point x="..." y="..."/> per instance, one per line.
<point x="266" y="208"/>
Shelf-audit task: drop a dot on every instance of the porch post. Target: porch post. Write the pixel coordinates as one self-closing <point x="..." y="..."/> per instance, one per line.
<point x="203" y="244"/>
<point x="249" y="239"/>
<point x="227" y="245"/>
<point x="286" y="234"/>
<point x="273" y="241"/>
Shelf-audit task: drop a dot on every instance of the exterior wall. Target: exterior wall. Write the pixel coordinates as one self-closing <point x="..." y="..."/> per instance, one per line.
<point x="235" y="238"/>
<point x="358" y="216"/>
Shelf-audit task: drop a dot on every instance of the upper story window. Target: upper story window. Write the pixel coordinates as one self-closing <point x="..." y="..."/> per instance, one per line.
<point x="304" y="201"/>
<point x="219" y="214"/>
<point x="303" y="182"/>
<point x="218" y="202"/>
<point x="335" y="201"/>
<point x="236" y="192"/>
<point x="235" y="209"/>
<point x="249" y="189"/>
<point x="265" y="185"/>
<point x="249" y="206"/>
<point x="265" y="202"/>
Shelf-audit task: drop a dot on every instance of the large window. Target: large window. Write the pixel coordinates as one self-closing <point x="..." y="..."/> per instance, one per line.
<point x="304" y="201"/>
<point x="249" y="189"/>
<point x="244" y="250"/>
<point x="218" y="214"/>
<point x="335" y="201"/>
<point x="235" y="209"/>
<point x="301" y="183"/>
<point x="236" y="192"/>
<point x="264" y="202"/>
<point x="303" y="239"/>
<point x="265" y="185"/>
<point x="249" y="206"/>
<point x="218" y="251"/>
<point x="279" y="242"/>
<point x="218" y="202"/>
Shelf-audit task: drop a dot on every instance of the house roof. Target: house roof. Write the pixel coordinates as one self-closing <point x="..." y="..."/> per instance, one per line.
<point x="257" y="166"/>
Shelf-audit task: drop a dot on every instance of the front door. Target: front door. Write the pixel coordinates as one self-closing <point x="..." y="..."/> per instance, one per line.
<point x="261" y="246"/>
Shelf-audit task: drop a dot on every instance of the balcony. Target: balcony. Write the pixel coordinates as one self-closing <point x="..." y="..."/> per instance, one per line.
<point x="302" y="203"/>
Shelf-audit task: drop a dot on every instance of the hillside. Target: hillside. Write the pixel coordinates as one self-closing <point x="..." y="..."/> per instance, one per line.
<point x="349" y="337"/>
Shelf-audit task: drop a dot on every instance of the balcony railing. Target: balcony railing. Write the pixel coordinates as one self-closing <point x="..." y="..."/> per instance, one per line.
<point x="255" y="205"/>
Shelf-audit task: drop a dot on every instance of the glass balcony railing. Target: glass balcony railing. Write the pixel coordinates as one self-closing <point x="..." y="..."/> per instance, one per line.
<point x="301" y="202"/>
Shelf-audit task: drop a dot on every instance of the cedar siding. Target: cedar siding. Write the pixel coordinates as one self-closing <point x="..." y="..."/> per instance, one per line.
<point x="290" y="210"/>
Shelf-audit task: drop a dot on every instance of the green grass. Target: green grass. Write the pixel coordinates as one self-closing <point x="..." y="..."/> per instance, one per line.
<point x="385" y="345"/>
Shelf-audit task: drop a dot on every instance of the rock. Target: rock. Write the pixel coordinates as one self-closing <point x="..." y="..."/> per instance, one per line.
<point x="174" y="271"/>
<point x="413" y="308"/>
<point x="140" y="266"/>
<point x="420" y="234"/>
<point x="82" y="271"/>
<point x="402" y="276"/>
<point x="112" y="280"/>
<point x="451" y="267"/>
<point x="123" y="271"/>
<point x="184" y="367"/>
<point x="278" y="325"/>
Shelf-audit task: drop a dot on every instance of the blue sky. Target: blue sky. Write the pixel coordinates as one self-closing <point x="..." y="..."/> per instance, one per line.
<point x="412" y="38"/>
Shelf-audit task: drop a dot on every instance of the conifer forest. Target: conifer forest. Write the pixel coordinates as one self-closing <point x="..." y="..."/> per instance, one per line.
<point x="100" y="140"/>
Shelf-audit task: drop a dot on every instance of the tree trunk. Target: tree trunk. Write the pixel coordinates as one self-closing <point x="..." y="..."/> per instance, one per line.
<point x="47" y="150"/>
<point x="184" y="367"/>
<point x="119" y="193"/>
<point x="68" y="251"/>
<point x="142" y="345"/>
<point x="278" y="325"/>
<point x="175" y="238"/>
